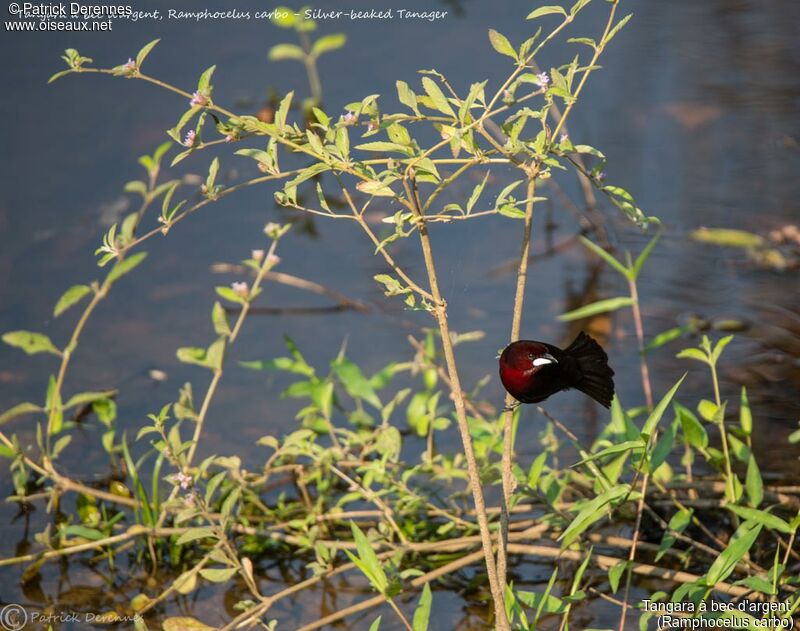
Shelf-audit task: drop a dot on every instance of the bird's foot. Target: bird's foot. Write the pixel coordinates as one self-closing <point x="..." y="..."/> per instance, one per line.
<point x="512" y="407"/>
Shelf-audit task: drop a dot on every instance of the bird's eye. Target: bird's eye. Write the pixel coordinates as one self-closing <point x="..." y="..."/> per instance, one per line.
<point x="531" y="356"/>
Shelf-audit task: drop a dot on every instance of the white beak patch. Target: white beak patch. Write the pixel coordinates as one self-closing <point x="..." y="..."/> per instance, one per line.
<point x="544" y="360"/>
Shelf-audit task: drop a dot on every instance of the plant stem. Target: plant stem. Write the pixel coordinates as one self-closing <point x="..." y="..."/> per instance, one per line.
<point x="440" y="311"/>
<point x="648" y="394"/>
<point x="508" y="424"/>
<point x="730" y="489"/>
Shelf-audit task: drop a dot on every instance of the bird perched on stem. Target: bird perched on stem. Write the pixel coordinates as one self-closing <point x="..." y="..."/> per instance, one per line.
<point x="532" y="371"/>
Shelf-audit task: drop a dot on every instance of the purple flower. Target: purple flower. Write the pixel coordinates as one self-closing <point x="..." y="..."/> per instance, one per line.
<point x="563" y="138"/>
<point x="198" y="99"/>
<point x="273" y="260"/>
<point x="230" y="138"/>
<point x="372" y="126"/>
<point x="129" y="66"/>
<point x="542" y="80"/>
<point x="257" y="255"/>
<point x="183" y="480"/>
<point x="241" y="289"/>
<point x="506" y="95"/>
<point x="601" y="176"/>
<point x="191" y="137"/>
<point x="350" y="118"/>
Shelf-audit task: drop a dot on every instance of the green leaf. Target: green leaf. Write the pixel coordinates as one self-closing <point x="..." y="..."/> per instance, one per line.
<point x="645" y="254"/>
<point x="719" y="347"/>
<point x="193" y="355"/>
<point x="367" y="561"/>
<point x="193" y="534"/>
<point x="693" y="430"/>
<point x="536" y="470"/>
<point x="19" y="410"/>
<point x="422" y="613"/>
<point x="328" y="43"/>
<point x="507" y="210"/>
<point x="655" y="416"/>
<point x="384" y="147"/>
<point x="407" y="97"/>
<point x="71" y="297"/>
<point x="229" y="294"/>
<point x="59" y="74"/>
<point x="739" y="544"/>
<point x="77" y="530"/>
<point x="745" y="415"/>
<point x="614" y="574"/>
<point x="665" y="337"/>
<point x="280" y="52"/>
<point x="729" y="237"/>
<point x="537" y="13"/>
<point x="678" y="523"/>
<point x="376" y="625"/>
<point x="602" y="306"/>
<point x="617" y="28"/>
<point x="218" y="575"/>
<point x="501" y="44"/>
<point x="753" y="482"/>
<point x="126" y="265"/>
<point x="693" y="353"/>
<point x="761" y="517"/>
<point x="606" y="256"/>
<point x="628" y="445"/>
<point x="185" y="623"/>
<point x="437" y="97"/>
<point x="376" y="188"/>
<point x="88" y="397"/>
<point x="354" y="381"/>
<point x="590" y="512"/>
<point x="204" y="83"/>
<point x="476" y="193"/>
<point x="144" y="52"/>
<point x="220" y="319"/>
<point x="707" y="409"/>
<point x="30" y="342"/>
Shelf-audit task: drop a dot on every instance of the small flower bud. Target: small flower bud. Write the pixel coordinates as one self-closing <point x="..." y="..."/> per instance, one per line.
<point x="198" y="99"/>
<point x="273" y="260"/>
<point x="543" y="80"/>
<point x="190" y="139"/>
<point x="183" y="480"/>
<point x="241" y="289"/>
<point x="257" y="255"/>
<point x="350" y="118"/>
<point x="272" y="230"/>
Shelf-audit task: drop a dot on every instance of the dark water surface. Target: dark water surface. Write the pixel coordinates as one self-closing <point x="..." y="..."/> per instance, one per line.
<point x="696" y="107"/>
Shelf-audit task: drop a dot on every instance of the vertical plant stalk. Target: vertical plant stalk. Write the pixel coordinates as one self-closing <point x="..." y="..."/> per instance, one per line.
<point x="440" y="312"/>
<point x="648" y="395"/>
<point x="310" y="62"/>
<point x="99" y="293"/>
<point x="730" y="489"/>
<point x="212" y="387"/>
<point x="637" y="321"/>
<point x="508" y="423"/>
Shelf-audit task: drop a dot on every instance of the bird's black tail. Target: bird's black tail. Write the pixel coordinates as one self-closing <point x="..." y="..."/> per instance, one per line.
<point x="597" y="380"/>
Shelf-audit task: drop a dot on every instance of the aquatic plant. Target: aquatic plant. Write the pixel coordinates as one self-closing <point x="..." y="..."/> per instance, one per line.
<point x="338" y="490"/>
